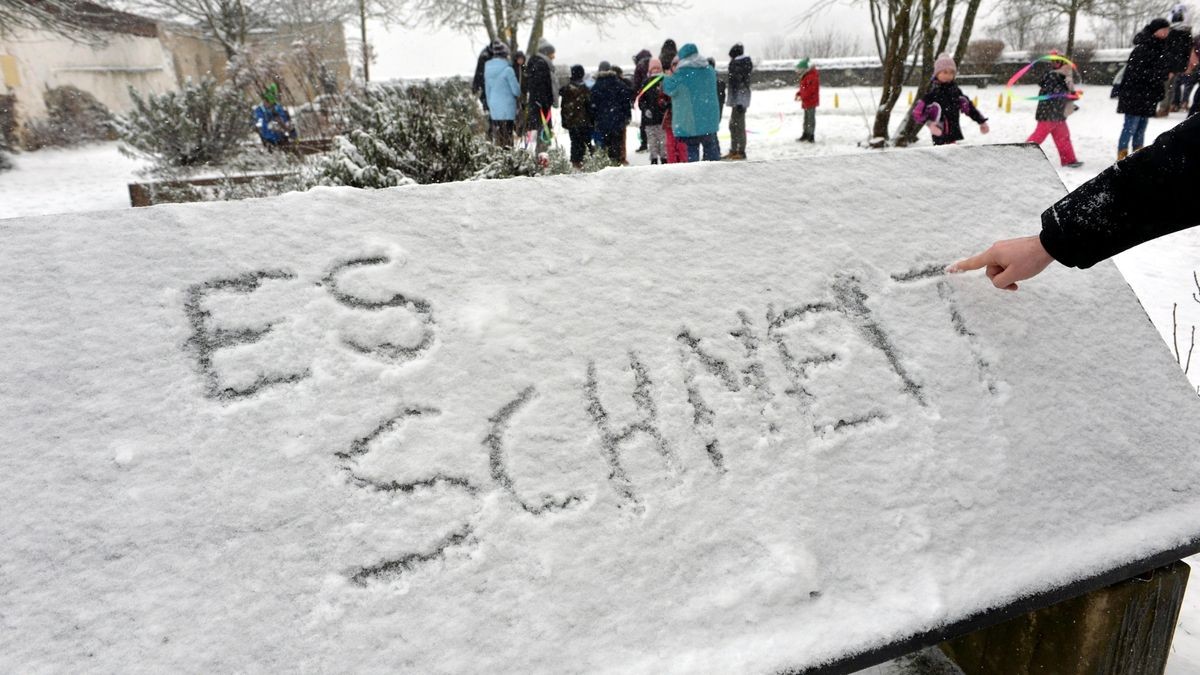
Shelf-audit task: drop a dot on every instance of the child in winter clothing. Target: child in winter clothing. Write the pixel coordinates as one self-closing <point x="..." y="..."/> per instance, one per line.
<point x="577" y="115"/>
<point x="941" y="107"/>
<point x="1051" y="113"/>
<point x="653" y="112"/>
<point x="809" y="96"/>
<point x="676" y="149"/>
<point x="740" y="68"/>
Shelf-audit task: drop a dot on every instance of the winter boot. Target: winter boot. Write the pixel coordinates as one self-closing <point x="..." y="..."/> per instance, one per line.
<point x="1122" y="154"/>
<point x="1074" y="165"/>
<point x="654" y="160"/>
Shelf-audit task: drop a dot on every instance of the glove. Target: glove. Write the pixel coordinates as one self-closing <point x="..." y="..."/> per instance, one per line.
<point x="984" y="128"/>
<point x="934" y="128"/>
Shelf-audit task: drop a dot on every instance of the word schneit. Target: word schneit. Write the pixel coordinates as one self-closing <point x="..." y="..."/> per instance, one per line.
<point x="847" y="302"/>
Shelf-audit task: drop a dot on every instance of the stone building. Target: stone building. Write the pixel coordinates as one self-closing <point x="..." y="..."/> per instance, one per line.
<point x="148" y="55"/>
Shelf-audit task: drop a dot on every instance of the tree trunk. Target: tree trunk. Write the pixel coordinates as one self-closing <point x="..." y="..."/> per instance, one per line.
<point x="1072" y="18"/>
<point x="899" y="41"/>
<point x="536" y="30"/>
<point x="964" y="37"/>
<point x="366" y="47"/>
<point x="908" y="132"/>
<point x="487" y="21"/>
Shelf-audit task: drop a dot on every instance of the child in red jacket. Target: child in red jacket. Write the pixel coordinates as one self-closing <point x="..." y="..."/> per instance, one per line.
<point x="809" y="96"/>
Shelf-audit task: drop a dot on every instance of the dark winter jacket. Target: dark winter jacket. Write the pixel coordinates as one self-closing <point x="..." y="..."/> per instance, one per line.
<point x="273" y="124"/>
<point x="641" y="69"/>
<point x="809" y="93"/>
<point x="1145" y="76"/>
<point x="477" y="84"/>
<point x="1179" y="48"/>
<point x="943" y="105"/>
<point x="576" y="105"/>
<point x="739" y="81"/>
<point x="652" y="105"/>
<point x="1053" y="84"/>
<point x="1118" y="210"/>
<point x="611" y="102"/>
<point x="666" y="56"/>
<point x="539" y="83"/>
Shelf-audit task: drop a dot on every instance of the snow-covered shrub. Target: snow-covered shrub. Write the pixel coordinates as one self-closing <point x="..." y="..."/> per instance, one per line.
<point x="427" y="133"/>
<point x="510" y="163"/>
<point x="73" y="117"/>
<point x="202" y="124"/>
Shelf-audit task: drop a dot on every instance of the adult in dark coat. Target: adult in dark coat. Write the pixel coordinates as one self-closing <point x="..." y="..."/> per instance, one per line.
<point x="477" y="84"/>
<point x="540" y="81"/>
<point x="1178" y="53"/>
<point x="1109" y="214"/>
<point x="518" y="66"/>
<point x="667" y="54"/>
<point x="740" y="68"/>
<point x="612" y="100"/>
<point x="577" y="114"/>
<point x="641" y="69"/>
<point x="1142" y="86"/>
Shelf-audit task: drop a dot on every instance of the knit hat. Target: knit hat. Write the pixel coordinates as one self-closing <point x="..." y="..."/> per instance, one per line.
<point x="1157" y="25"/>
<point x="655" y="67"/>
<point x="544" y="47"/>
<point x="944" y="62"/>
<point x="802" y="64"/>
<point x="605" y="66"/>
<point x="499" y="49"/>
<point x="577" y="72"/>
<point x="689" y="49"/>
<point x="736" y="50"/>
<point x="1179" y="13"/>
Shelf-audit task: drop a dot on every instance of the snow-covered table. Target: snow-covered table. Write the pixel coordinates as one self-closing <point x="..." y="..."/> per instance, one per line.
<point x="704" y="418"/>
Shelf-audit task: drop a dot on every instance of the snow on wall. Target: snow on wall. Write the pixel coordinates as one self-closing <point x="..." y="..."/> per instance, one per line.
<point x="703" y="418"/>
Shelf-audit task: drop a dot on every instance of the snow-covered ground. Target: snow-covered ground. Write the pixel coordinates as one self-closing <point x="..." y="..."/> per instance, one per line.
<point x="95" y="177"/>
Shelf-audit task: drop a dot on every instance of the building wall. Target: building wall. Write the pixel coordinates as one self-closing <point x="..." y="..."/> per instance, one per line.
<point x="153" y="59"/>
<point x="192" y="56"/>
<point x="35" y="61"/>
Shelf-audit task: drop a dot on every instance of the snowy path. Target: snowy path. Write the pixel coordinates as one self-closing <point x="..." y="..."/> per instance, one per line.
<point x="1161" y="273"/>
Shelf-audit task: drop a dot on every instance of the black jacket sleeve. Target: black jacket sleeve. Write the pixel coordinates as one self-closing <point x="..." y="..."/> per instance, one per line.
<point x="1127" y="204"/>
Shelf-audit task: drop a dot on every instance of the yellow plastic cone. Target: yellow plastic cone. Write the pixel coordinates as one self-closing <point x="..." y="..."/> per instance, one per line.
<point x="976" y="102"/>
<point x="1000" y="100"/>
<point x="1008" y="104"/>
<point x="836" y="101"/>
<point x="910" y="98"/>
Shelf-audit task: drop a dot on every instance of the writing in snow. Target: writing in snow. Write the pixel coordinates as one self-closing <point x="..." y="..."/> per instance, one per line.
<point x="807" y="343"/>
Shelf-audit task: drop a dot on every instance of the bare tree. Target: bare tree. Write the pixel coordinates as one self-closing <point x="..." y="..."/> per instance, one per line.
<point x="1030" y="12"/>
<point x="1022" y="23"/>
<point x="938" y="18"/>
<point x="895" y="32"/>
<point x="506" y="19"/>
<point x="1116" y="21"/>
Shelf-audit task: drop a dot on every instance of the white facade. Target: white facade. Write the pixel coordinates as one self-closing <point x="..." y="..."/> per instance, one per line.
<point x="36" y="61"/>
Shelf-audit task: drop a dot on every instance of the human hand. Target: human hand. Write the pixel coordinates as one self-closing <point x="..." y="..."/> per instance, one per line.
<point x="1008" y="261"/>
<point x="984" y="128"/>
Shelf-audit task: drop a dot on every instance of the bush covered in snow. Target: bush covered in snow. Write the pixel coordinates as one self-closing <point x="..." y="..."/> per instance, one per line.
<point x="202" y="124"/>
<point x="73" y="117"/>
<point x="423" y="133"/>
<point x="432" y="132"/>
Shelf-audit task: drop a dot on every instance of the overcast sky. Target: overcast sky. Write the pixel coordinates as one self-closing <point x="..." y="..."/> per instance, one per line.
<point x="714" y="25"/>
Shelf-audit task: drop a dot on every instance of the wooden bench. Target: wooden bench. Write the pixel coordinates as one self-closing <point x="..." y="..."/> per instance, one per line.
<point x="981" y="81"/>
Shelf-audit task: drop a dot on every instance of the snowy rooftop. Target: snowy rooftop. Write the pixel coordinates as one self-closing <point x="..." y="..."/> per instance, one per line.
<point x="700" y="418"/>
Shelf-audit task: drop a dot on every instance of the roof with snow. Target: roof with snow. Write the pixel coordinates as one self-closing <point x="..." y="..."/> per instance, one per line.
<point x="690" y="418"/>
